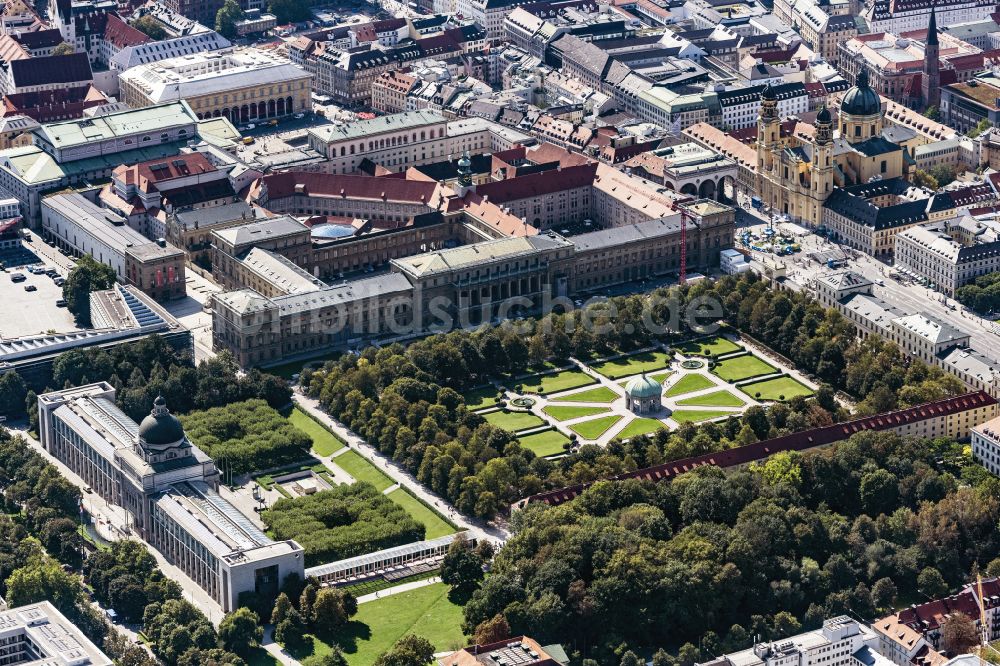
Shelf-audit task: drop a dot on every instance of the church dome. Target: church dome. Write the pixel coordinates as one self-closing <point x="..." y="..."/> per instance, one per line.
<point x="768" y="93"/>
<point x="824" y="115"/>
<point x="160" y="428"/>
<point x="861" y="100"/>
<point x="643" y="387"/>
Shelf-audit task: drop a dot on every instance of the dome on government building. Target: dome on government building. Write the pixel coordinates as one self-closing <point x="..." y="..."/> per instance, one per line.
<point x="160" y="428"/>
<point x="861" y="100"/>
<point x="643" y="387"/>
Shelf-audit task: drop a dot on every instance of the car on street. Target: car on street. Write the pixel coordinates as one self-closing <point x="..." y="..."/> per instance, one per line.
<point x="61" y="303"/>
<point x="30" y="287"/>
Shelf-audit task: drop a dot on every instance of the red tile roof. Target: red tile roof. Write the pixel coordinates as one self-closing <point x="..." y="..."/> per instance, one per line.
<point x="539" y="184"/>
<point x="288" y="183"/>
<point x="146" y="175"/>
<point x="50" y="105"/>
<point x="121" y="34"/>
<point x="799" y="441"/>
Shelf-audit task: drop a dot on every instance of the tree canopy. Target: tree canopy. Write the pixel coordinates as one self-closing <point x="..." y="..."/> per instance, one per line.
<point x="246" y="436"/>
<point x="88" y="275"/>
<point x="742" y="552"/>
<point x="342" y="522"/>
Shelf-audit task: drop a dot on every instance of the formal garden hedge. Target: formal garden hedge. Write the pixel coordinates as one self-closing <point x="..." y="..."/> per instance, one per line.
<point x="342" y="522"/>
<point x="246" y="436"/>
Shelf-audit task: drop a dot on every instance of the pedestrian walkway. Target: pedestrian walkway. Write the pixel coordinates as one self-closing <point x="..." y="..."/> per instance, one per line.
<point x="274" y="649"/>
<point x="479" y="530"/>
<point x="405" y="587"/>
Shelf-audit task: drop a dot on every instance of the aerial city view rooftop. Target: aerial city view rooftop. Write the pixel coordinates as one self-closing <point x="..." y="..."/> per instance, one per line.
<point x="500" y="333"/>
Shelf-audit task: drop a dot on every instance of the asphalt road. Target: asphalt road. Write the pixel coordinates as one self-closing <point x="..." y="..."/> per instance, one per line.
<point x="905" y="295"/>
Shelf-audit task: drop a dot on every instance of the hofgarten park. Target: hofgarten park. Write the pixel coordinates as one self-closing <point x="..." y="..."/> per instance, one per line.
<point x="626" y="396"/>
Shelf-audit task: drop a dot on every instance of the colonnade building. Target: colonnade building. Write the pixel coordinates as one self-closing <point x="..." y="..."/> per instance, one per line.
<point x="168" y="487"/>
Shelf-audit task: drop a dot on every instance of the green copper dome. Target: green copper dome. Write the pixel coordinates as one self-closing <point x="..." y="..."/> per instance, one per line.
<point x="643" y="387"/>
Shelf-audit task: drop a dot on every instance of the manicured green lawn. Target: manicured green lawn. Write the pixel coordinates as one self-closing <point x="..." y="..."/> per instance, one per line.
<point x="480" y="398"/>
<point x="716" y="399"/>
<point x="641" y="426"/>
<point x="560" y="381"/>
<point x="599" y="394"/>
<point x="632" y="365"/>
<point x="362" y="470"/>
<point x="695" y="415"/>
<point x="742" y="367"/>
<point x="325" y="443"/>
<point x="688" y="383"/>
<point x="425" y="611"/>
<point x="779" y="388"/>
<point x="656" y="376"/>
<point x="546" y="443"/>
<point x="513" y="421"/>
<point x="709" y="347"/>
<point x="594" y="428"/>
<point x="435" y="524"/>
<point x="565" y="413"/>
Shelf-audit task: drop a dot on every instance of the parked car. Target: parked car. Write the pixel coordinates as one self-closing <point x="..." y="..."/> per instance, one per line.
<point x="18" y="277"/>
<point x="61" y="303"/>
<point x="59" y="281"/>
<point x="52" y="273"/>
<point x="30" y="287"/>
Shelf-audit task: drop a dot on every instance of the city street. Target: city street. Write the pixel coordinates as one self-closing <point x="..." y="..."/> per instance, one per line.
<point x="904" y="294"/>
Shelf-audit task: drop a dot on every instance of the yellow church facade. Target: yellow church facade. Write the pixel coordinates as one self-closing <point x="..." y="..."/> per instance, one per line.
<point x="795" y="175"/>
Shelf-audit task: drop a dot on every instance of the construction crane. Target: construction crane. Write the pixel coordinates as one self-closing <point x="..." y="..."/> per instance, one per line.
<point x="682" y="278"/>
<point x="685" y="217"/>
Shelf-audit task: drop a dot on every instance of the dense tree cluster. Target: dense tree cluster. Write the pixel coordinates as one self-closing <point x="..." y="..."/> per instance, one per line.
<point x="342" y="522"/>
<point x="982" y="295"/>
<point x="47" y="505"/>
<point x="765" y="551"/>
<point x="308" y="608"/>
<point x="88" y="275"/>
<point x="246" y="436"/>
<point x="151" y="367"/>
<point x="406" y="401"/>
<point x="125" y="577"/>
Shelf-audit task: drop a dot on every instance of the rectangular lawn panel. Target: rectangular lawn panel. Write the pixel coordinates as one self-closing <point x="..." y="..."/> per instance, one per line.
<point x="779" y="388"/>
<point x="565" y="413"/>
<point x="547" y="443"/>
<point x="433" y="523"/>
<point x="709" y="347"/>
<point x="696" y="415"/>
<point x="742" y="367"/>
<point x="425" y="611"/>
<point x="513" y="421"/>
<point x="357" y="466"/>
<point x="632" y="365"/>
<point x="641" y="426"/>
<point x="325" y="443"/>
<point x="599" y="394"/>
<point x="594" y="428"/>
<point x="689" y="383"/>
<point x="480" y="398"/>
<point x="716" y="399"/>
<point x="560" y="381"/>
